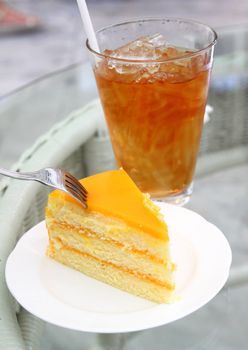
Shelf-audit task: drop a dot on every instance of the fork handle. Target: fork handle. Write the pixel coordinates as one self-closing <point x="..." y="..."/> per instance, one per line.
<point x="20" y="176"/>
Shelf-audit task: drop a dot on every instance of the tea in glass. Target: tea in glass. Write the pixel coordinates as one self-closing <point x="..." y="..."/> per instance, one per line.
<point x="154" y="94"/>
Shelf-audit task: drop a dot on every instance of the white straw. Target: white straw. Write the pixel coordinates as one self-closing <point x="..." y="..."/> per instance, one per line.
<point x="84" y="12"/>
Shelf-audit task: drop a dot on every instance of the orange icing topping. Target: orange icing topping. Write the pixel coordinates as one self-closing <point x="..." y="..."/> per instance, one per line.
<point x="113" y="193"/>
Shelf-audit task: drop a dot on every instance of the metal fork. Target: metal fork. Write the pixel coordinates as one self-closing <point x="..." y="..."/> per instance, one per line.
<point x="56" y="178"/>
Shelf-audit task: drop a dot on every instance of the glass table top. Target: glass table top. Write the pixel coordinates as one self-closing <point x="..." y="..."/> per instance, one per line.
<point x="220" y="191"/>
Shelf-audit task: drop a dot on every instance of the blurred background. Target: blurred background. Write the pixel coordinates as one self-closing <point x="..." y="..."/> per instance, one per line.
<point x="40" y="37"/>
<point x="42" y="48"/>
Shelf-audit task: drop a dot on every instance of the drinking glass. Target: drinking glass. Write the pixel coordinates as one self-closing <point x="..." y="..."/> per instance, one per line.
<point x="154" y="104"/>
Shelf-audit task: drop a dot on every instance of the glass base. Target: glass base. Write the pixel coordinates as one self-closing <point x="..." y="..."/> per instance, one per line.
<point x="179" y="199"/>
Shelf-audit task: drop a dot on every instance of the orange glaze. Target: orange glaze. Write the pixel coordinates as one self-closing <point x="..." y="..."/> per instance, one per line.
<point x="113" y="193"/>
<point x="89" y="233"/>
<point x="139" y="275"/>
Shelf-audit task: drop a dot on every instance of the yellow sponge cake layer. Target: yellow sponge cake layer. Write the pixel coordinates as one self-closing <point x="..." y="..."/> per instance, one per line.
<point x="88" y="242"/>
<point x="116" y="277"/>
<point x="106" y="227"/>
<point x="102" y="243"/>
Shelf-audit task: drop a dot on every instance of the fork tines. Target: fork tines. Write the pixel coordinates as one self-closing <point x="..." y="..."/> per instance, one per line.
<point x="76" y="188"/>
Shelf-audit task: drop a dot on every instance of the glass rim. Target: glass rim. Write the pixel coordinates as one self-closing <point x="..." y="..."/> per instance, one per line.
<point x="152" y="61"/>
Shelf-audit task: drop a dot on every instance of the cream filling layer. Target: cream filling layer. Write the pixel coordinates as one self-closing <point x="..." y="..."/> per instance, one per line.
<point x="141" y="276"/>
<point x="88" y="242"/>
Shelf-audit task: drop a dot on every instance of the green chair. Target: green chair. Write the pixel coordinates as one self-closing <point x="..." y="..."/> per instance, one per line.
<point x="72" y="144"/>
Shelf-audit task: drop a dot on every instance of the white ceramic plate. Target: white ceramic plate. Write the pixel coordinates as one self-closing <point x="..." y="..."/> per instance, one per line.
<point x="69" y="299"/>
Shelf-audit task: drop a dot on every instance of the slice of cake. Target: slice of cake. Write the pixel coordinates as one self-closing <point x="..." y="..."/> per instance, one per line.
<point x="120" y="239"/>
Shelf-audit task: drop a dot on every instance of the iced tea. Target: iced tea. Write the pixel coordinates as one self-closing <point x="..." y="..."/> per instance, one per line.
<point x="154" y="110"/>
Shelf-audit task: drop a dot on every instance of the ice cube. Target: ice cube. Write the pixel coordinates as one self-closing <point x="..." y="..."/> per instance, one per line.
<point x="157" y="40"/>
<point x="124" y="68"/>
<point x="141" y="49"/>
<point x="152" y="47"/>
